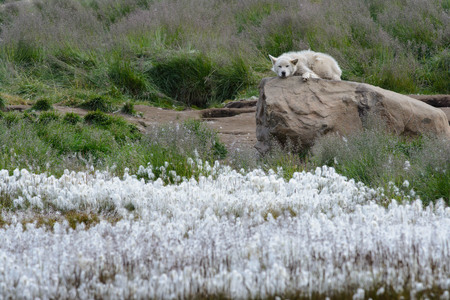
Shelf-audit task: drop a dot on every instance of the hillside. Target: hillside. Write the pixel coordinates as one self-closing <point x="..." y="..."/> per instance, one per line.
<point x="162" y="53"/>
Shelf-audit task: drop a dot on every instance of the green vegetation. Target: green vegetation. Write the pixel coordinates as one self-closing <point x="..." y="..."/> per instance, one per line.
<point x="128" y="108"/>
<point x="380" y="159"/>
<point x="47" y="117"/>
<point x="100" y="53"/>
<point x="195" y="79"/>
<point x="72" y="118"/>
<point x="98" y="102"/>
<point x="2" y="103"/>
<point x="51" y="143"/>
<point x="42" y="104"/>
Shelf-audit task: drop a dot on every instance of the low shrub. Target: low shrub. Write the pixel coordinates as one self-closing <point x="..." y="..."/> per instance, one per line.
<point x="72" y="118"/>
<point x="128" y="108"/>
<point x="42" y="104"/>
<point x="98" y="103"/>
<point x="98" y="118"/>
<point x="48" y="116"/>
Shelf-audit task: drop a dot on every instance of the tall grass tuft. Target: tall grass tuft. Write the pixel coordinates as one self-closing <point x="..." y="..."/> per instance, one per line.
<point x="48" y="116"/>
<point x="2" y="103"/>
<point x="195" y="79"/>
<point x="127" y="78"/>
<point x="232" y="78"/>
<point x="128" y="108"/>
<point x="381" y="159"/>
<point x="185" y="77"/>
<point x="26" y="52"/>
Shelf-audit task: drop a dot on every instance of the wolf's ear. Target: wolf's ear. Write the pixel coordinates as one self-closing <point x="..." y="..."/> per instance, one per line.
<point x="273" y="59"/>
<point x="294" y="61"/>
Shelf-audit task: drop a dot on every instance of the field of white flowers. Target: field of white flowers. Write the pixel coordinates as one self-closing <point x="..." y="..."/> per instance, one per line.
<point x="229" y="234"/>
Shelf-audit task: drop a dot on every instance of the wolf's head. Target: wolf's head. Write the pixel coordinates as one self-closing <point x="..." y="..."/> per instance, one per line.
<point x="284" y="66"/>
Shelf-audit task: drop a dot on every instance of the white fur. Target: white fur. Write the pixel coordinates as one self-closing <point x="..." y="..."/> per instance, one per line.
<point x="306" y="63"/>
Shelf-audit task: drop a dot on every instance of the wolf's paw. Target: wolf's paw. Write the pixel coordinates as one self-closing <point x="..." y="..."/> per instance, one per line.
<point x="306" y="76"/>
<point x="309" y="75"/>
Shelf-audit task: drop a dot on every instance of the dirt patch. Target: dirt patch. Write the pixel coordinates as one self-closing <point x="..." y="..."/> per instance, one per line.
<point x="236" y="127"/>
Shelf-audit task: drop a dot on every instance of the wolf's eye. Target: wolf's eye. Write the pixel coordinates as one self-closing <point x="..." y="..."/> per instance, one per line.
<point x="287" y="66"/>
<point x="279" y="66"/>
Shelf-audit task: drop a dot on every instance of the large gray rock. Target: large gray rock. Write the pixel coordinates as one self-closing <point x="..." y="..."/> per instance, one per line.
<point x="303" y="111"/>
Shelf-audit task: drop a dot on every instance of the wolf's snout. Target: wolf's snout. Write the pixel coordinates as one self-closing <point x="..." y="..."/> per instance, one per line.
<point x="283" y="74"/>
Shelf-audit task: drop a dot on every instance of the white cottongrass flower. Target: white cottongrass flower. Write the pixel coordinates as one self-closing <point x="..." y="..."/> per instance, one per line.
<point x="407" y="165"/>
<point x="251" y="235"/>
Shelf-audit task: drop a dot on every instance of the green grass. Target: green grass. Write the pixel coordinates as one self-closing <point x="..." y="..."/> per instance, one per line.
<point x="196" y="80"/>
<point x="51" y="143"/>
<point x="129" y="49"/>
<point x="128" y="108"/>
<point x="381" y="159"/>
<point x="42" y="104"/>
<point x="25" y="53"/>
<point x="128" y="78"/>
<point x="98" y="102"/>
<point x="2" y="103"/>
<point x="48" y="117"/>
<point x="184" y="77"/>
<point x="72" y="118"/>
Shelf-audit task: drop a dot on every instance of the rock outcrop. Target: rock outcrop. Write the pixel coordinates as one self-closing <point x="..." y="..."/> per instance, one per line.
<point x="303" y="111"/>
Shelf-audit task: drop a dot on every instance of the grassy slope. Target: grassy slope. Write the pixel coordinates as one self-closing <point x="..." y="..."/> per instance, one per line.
<point x="161" y="52"/>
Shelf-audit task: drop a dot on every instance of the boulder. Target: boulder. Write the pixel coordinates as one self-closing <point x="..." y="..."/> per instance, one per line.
<point x="303" y="111"/>
<point x="434" y="100"/>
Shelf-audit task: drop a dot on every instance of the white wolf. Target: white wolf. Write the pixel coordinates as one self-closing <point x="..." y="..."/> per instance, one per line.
<point x="306" y="63"/>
